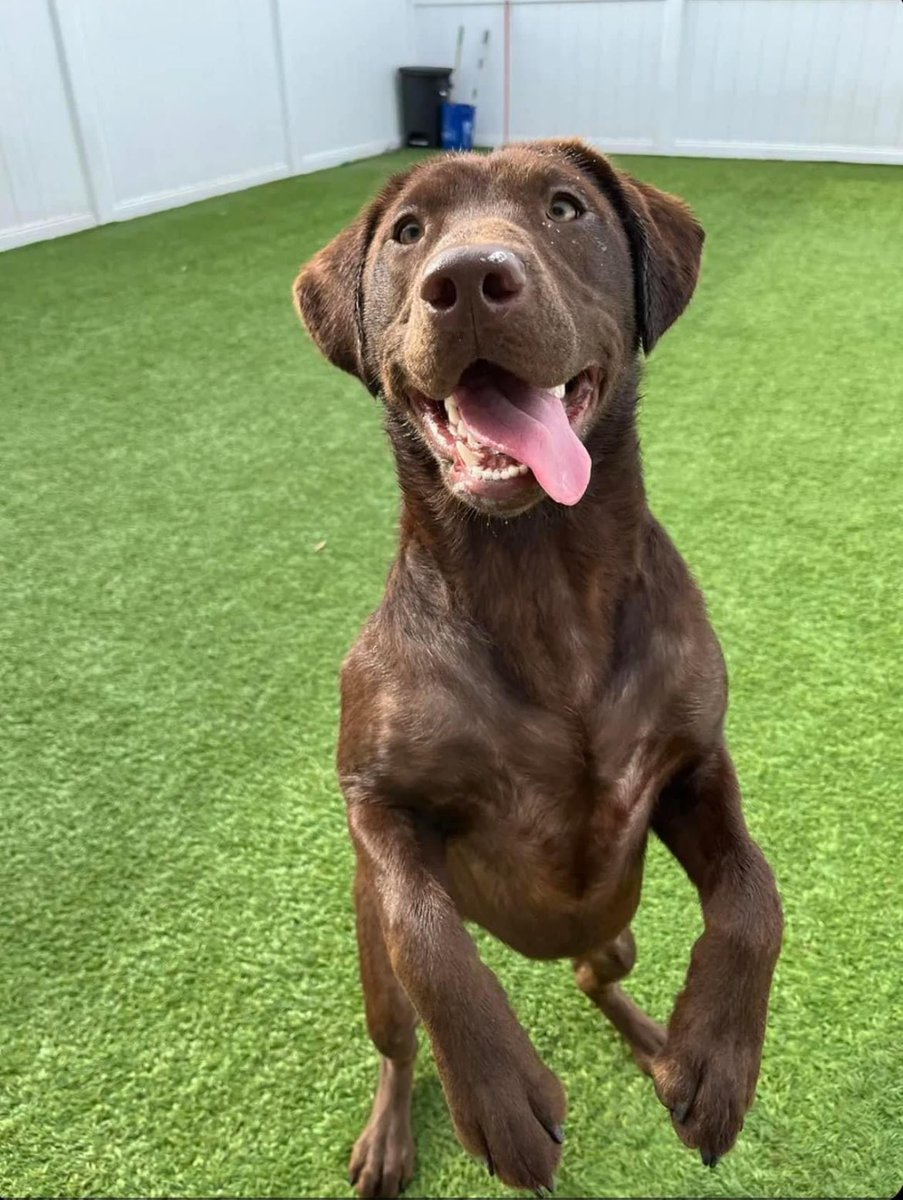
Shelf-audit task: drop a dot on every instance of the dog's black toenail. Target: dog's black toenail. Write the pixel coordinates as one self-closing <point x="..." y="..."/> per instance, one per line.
<point x="490" y="1166"/>
<point x="709" y="1160"/>
<point x="557" y="1134"/>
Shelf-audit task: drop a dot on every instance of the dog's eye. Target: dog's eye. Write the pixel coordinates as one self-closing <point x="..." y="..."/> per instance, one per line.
<point x="564" y="207"/>
<point x="408" y="230"/>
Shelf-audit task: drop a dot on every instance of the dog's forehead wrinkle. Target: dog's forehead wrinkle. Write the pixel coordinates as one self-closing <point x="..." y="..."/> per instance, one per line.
<point x="445" y="180"/>
<point x="490" y="184"/>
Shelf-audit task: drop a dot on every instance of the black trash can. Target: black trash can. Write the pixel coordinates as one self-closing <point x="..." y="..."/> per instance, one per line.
<point x="422" y="92"/>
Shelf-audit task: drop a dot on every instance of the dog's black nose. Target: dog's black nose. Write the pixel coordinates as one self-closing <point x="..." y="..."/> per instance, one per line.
<point x="472" y="279"/>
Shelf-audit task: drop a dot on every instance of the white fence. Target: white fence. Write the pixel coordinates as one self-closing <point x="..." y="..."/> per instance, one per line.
<point x="113" y="108"/>
<point x="799" y="79"/>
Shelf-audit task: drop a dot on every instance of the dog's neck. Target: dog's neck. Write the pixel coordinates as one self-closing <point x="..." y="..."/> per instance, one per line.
<point x="547" y="581"/>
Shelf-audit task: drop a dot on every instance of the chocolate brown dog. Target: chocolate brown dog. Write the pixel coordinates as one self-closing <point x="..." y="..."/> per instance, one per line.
<point x="540" y="686"/>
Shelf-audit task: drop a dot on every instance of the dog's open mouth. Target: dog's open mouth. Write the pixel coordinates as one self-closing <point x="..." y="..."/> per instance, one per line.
<point x="496" y="434"/>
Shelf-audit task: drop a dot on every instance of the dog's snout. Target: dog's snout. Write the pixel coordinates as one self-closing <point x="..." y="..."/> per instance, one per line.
<point x="473" y="278"/>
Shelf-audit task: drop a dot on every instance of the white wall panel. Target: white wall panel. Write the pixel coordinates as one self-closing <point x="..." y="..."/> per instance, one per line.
<point x="340" y="59"/>
<point x="798" y="78"/>
<point x="590" y="69"/>
<point x="748" y="78"/>
<point x="42" y="185"/>
<point x="137" y="105"/>
<point x="9" y="212"/>
<point x="176" y="100"/>
<point x="576" y="67"/>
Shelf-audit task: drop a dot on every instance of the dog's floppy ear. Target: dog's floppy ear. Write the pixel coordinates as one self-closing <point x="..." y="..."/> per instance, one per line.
<point x="328" y="292"/>
<point x="665" y="239"/>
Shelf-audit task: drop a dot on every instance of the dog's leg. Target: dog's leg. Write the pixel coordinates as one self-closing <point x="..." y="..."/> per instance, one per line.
<point x="597" y="975"/>
<point x="706" y="1074"/>
<point x="506" y="1105"/>
<point x="382" y="1161"/>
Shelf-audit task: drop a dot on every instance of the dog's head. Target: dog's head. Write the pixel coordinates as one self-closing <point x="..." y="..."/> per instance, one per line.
<point x="495" y="301"/>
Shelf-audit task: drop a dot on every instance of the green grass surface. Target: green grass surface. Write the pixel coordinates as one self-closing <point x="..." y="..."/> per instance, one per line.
<point x="179" y="1007"/>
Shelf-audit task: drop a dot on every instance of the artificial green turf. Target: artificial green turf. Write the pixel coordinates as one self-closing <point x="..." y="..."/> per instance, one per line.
<point x="179" y="1007"/>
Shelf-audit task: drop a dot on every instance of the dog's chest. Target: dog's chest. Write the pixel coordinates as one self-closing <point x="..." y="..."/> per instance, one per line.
<point x="543" y="832"/>
<point x="549" y="868"/>
<point x="542" y="795"/>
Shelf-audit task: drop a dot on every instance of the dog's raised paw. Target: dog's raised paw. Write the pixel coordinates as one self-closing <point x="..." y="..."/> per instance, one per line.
<point x="707" y="1092"/>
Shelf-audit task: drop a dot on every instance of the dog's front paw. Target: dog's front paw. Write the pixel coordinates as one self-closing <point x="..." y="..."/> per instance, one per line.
<point x="708" y="1085"/>
<point x="382" y="1161"/>
<point x="512" y="1117"/>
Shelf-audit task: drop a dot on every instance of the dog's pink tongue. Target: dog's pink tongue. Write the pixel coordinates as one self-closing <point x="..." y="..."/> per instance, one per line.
<point x="529" y="424"/>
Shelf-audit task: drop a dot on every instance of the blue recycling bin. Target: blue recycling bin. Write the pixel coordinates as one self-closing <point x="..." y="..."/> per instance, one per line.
<point x="457" y="126"/>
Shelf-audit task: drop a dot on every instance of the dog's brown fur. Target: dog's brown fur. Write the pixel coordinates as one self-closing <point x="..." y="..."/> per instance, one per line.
<point x="536" y="691"/>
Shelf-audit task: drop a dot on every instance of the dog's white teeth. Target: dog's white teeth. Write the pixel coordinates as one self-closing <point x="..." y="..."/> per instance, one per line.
<point x="452" y="409"/>
<point x="467" y="454"/>
<point x="559" y="391"/>
<point x="496" y="474"/>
